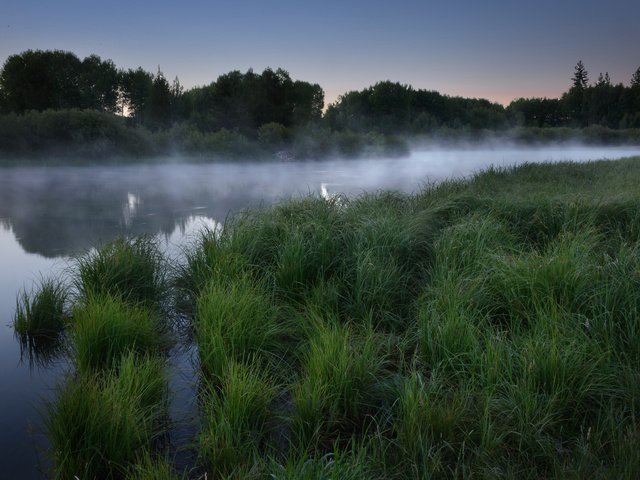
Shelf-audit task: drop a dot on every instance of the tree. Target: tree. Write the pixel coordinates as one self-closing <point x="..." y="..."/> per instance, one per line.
<point x="635" y="79"/>
<point x="100" y="84"/>
<point x="136" y="87"/>
<point x="38" y="80"/>
<point x="580" y="77"/>
<point x="159" y="105"/>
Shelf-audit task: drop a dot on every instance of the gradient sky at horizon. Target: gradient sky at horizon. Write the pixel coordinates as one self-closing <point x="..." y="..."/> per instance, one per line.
<point x="496" y="49"/>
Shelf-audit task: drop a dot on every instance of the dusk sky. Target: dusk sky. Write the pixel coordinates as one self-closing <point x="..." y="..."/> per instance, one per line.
<point x="496" y="49"/>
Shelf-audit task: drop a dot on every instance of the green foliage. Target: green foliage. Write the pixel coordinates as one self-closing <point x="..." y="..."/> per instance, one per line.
<point x="104" y="328"/>
<point x="71" y="133"/>
<point x="273" y="134"/>
<point x="98" y="425"/>
<point x="54" y="79"/>
<point x="389" y="107"/>
<point x="260" y="114"/>
<point x="339" y="387"/>
<point x="150" y="467"/>
<point x="236" y="322"/>
<point x="41" y="313"/>
<point x="132" y="269"/>
<point x="337" y="465"/>
<point x="234" y="420"/>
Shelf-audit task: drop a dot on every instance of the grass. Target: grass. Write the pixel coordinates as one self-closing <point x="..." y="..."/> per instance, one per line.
<point x="39" y="322"/>
<point x="339" y="386"/>
<point x="105" y="327"/>
<point x="234" y="421"/>
<point x="478" y="328"/>
<point x="132" y="269"/>
<point x="42" y="312"/>
<point x="97" y="425"/>
<point x="237" y="322"/>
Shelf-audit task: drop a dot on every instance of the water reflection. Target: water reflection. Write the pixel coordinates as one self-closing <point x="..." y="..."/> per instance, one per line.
<point x="40" y="351"/>
<point x="61" y="211"/>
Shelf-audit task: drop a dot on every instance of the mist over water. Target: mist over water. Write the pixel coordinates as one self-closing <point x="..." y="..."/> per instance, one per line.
<point x="48" y="214"/>
<point x="61" y="211"/>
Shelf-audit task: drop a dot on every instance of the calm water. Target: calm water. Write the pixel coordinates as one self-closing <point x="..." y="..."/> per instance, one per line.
<point x="49" y="214"/>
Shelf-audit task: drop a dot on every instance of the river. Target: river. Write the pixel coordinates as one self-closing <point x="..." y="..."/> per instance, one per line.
<point x="50" y="214"/>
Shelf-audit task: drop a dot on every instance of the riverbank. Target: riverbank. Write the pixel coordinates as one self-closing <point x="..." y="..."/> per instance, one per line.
<point x="482" y="327"/>
<point x="87" y="136"/>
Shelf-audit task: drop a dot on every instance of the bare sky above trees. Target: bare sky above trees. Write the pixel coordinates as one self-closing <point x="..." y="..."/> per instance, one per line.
<point x="497" y="49"/>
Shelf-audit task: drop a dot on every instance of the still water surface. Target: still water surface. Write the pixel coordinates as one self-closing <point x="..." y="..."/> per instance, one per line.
<point x="50" y="214"/>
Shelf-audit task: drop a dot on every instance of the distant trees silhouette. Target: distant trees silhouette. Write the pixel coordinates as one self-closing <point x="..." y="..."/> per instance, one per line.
<point x="271" y="109"/>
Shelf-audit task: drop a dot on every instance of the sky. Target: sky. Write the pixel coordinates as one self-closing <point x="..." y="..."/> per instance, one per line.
<point x="495" y="49"/>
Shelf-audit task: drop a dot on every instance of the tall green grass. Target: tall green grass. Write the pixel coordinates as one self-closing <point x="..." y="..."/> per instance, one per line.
<point x="237" y="322"/>
<point x="132" y="269"/>
<point x="104" y="328"/>
<point x="340" y="387"/>
<point x="234" y="421"/>
<point x="43" y="311"/>
<point x="98" y="425"/>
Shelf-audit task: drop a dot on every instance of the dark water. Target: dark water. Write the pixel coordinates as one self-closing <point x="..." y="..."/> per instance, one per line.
<point x="50" y="214"/>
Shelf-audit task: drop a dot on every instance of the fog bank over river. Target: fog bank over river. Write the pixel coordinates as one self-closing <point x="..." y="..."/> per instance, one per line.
<point x="61" y="211"/>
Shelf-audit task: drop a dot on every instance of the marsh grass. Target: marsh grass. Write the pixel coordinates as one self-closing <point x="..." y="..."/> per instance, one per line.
<point x="237" y="322"/>
<point x="105" y="327"/>
<point x="479" y="328"/>
<point x="340" y="387"/>
<point x="337" y="465"/>
<point x="41" y="313"/>
<point x="209" y="257"/>
<point x="153" y="467"/>
<point x="132" y="269"/>
<point x="98" y="424"/>
<point x="234" y="420"/>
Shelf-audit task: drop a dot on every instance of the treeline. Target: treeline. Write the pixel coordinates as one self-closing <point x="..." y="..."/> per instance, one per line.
<point x="394" y="108"/>
<point x="43" y="80"/>
<point x="601" y="103"/>
<point x="53" y="100"/>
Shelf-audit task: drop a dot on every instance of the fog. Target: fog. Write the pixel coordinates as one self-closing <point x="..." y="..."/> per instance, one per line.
<point x="60" y="211"/>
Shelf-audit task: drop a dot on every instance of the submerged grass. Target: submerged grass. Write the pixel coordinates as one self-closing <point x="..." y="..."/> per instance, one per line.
<point x="39" y="321"/>
<point x="479" y="328"/>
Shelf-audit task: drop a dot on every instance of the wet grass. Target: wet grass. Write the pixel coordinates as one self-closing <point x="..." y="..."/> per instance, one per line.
<point x="132" y="269"/>
<point x="481" y="328"/>
<point x="97" y="425"/>
<point x="42" y="312"/>
<point x="234" y="421"/>
<point x="236" y="322"/>
<point x="105" y="327"/>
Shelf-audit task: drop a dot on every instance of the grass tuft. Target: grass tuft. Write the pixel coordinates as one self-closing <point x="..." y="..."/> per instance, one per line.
<point x="98" y="425"/>
<point x="236" y="322"/>
<point x="42" y="312"/>
<point x="105" y="327"/>
<point x="234" y="420"/>
<point x="132" y="269"/>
